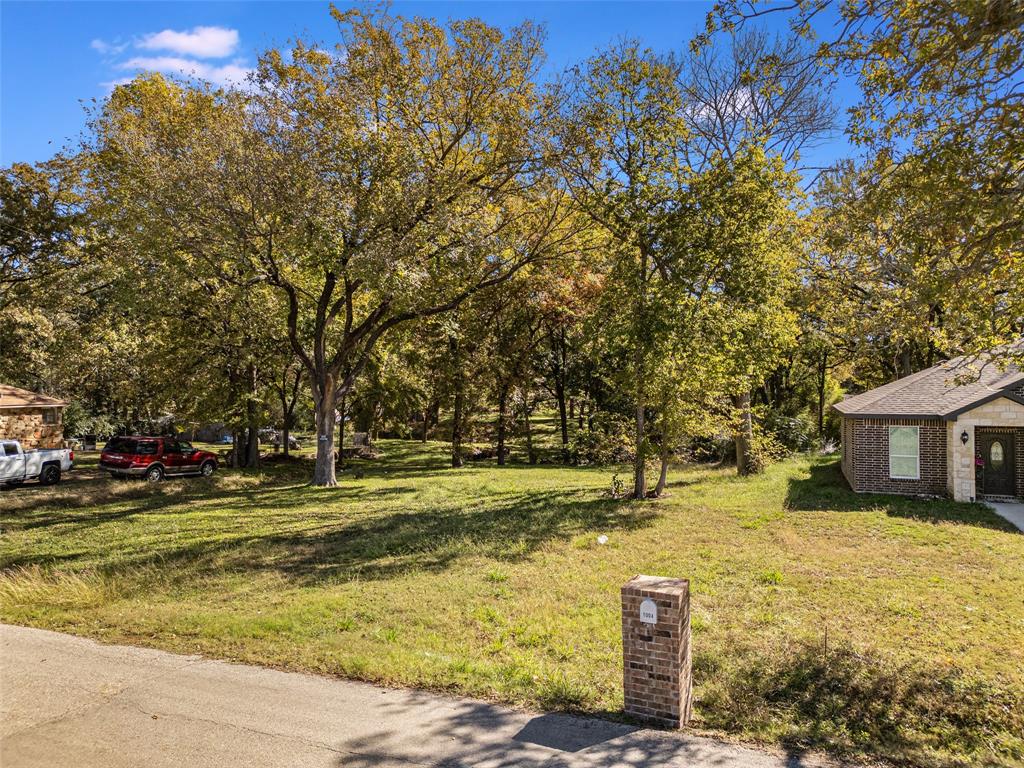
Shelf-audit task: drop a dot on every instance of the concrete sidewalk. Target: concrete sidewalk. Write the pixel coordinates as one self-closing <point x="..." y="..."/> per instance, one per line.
<point x="1012" y="512"/>
<point x="67" y="701"/>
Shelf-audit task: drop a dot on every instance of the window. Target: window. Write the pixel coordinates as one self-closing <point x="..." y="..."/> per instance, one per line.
<point x="120" y="445"/>
<point x="996" y="455"/>
<point x="51" y="416"/>
<point x="904" y="453"/>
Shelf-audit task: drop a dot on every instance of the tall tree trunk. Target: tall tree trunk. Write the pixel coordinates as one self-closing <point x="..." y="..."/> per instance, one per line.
<point x="666" y="455"/>
<point x="371" y="427"/>
<point x="252" y="445"/>
<point x="562" y="419"/>
<point x="572" y="409"/>
<point x="324" y="399"/>
<point x="906" y="362"/>
<point x="639" y="474"/>
<point x="502" y="417"/>
<point x="285" y="420"/>
<point x="288" y="407"/>
<point x="431" y="417"/>
<point x="531" y="457"/>
<point x="744" y="435"/>
<point x="236" y="447"/>
<point x="457" y="460"/>
<point x="639" y="321"/>
<point x="252" y="448"/>
<point x="342" y="407"/>
<point x="822" y="376"/>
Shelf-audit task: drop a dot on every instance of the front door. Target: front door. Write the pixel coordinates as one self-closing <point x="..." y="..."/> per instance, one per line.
<point x="997" y="455"/>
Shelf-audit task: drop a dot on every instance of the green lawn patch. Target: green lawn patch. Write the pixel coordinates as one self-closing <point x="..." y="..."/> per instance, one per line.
<point x="863" y="625"/>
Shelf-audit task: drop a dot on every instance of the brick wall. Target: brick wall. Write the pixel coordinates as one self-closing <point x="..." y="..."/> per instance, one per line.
<point x="26" y="426"/>
<point x="1018" y="450"/>
<point x="848" y="465"/>
<point x="870" y="456"/>
<point x="656" y="657"/>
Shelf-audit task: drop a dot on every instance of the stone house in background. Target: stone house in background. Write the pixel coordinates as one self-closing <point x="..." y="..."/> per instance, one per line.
<point x="928" y="435"/>
<point x="36" y="421"/>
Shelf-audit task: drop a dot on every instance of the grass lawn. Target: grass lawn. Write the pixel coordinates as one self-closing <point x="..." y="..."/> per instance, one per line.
<point x="863" y="625"/>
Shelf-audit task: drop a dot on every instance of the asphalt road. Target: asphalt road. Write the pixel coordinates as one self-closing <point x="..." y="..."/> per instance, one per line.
<point x="67" y="701"/>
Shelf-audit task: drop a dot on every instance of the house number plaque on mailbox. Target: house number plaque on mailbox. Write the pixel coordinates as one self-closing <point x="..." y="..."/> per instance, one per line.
<point x="649" y="611"/>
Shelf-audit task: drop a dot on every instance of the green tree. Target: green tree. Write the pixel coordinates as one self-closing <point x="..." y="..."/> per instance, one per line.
<point x="384" y="183"/>
<point x="940" y="118"/>
<point x="619" y="150"/>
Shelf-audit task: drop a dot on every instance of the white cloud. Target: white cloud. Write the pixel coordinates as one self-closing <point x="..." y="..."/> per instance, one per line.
<point x="106" y="48"/>
<point x="204" y="42"/>
<point x="187" y="49"/>
<point x="233" y="74"/>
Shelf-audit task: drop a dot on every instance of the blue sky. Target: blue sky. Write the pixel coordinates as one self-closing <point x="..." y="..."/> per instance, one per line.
<point x="56" y="55"/>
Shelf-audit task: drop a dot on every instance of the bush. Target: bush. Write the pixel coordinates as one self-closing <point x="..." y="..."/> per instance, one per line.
<point x="765" y="450"/>
<point x="78" y="422"/>
<point x="712" y="449"/>
<point x="794" y="433"/>
<point x="608" y="441"/>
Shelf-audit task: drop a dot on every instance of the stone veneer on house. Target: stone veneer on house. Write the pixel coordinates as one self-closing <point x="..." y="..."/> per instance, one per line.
<point x="26" y="426"/>
<point x="1001" y="412"/>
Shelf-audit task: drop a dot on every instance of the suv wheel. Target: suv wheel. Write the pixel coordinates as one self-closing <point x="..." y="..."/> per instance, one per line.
<point x="50" y="475"/>
<point x="207" y="468"/>
<point x="154" y="475"/>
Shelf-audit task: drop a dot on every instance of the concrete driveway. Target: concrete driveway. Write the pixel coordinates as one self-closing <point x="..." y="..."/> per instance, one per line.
<point x="67" y="701"/>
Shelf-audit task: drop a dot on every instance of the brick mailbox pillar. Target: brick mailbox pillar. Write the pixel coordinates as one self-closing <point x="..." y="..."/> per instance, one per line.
<point x="656" y="649"/>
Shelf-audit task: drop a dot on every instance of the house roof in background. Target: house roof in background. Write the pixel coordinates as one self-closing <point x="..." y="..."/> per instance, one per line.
<point x="13" y="397"/>
<point x="942" y="391"/>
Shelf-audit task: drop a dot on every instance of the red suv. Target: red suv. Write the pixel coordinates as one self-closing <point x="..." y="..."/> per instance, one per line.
<point x="155" y="458"/>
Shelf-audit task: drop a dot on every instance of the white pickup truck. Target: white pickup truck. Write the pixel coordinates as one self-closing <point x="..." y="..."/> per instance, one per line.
<point x="17" y="466"/>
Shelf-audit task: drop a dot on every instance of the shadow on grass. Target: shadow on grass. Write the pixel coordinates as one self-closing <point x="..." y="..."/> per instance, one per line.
<point x="266" y="534"/>
<point x="849" y="703"/>
<point x="826" y="489"/>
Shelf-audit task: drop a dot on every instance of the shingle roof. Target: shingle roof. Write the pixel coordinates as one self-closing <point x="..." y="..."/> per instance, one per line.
<point x="934" y="392"/>
<point x="12" y="397"/>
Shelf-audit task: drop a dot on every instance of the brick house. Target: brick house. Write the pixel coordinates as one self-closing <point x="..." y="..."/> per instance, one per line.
<point x="928" y="435"/>
<point x="36" y="421"/>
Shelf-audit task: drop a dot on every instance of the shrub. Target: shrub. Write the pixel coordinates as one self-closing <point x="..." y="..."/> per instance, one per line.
<point x="608" y="441"/>
<point x="795" y="433"/>
<point x="765" y="450"/>
<point x="717" y="448"/>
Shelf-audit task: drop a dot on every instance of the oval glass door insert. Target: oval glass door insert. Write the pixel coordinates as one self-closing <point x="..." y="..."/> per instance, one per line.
<point x="995" y="454"/>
